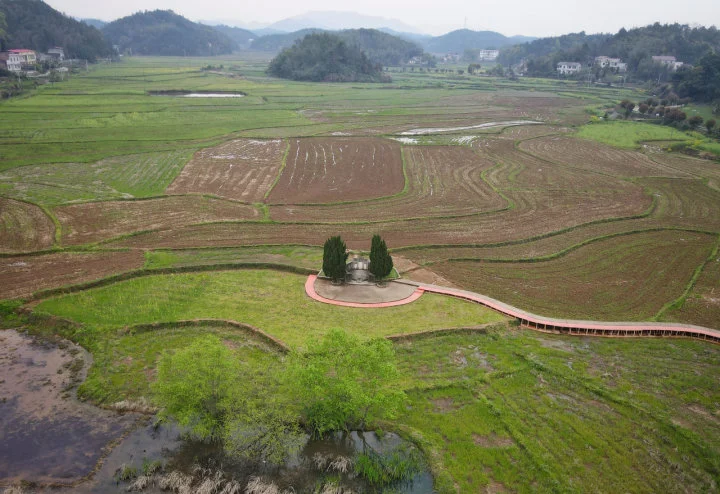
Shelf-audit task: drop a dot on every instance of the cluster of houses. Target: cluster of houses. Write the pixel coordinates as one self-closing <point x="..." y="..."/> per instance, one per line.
<point x="22" y="60"/>
<point x="615" y="64"/>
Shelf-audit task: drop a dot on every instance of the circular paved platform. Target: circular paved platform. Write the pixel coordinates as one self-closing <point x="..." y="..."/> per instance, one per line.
<point x="352" y="295"/>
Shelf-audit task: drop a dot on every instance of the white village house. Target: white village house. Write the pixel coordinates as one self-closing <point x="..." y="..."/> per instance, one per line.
<point x="612" y="63"/>
<point x="488" y="55"/>
<point x="569" y="67"/>
<point x="668" y="61"/>
<point x="17" y="60"/>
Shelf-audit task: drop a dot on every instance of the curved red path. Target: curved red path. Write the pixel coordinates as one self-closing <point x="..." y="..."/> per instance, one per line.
<point x="549" y="324"/>
<point x="310" y="290"/>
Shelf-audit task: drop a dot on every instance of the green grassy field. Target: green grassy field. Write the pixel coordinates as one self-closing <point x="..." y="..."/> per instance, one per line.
<point x="630" y="134"/>
<point x="272" y="301"/>
<point x="306" y="257"/>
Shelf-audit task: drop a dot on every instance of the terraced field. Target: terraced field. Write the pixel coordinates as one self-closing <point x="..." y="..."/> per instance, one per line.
<point x="333" y="170"/>
<point x="599" y="158"/>
<point x="27" y="274"/>
<point x="95" y="221"/>
<point x="24" y="227"/>
<point x="242" y="169"/>
<point x="605" y="280"/>
<point x="441" y="181"/>
<point x="119" y="177"/>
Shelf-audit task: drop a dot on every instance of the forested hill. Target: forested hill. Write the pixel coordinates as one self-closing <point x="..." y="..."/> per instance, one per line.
<point x="324" y="57"/>
<point x="241" y="37"/>
<point x="34" y="25"/>
<point x="162" y="32"/>
<point x="380" y="48"/>
<point x="465" y="39"/>
<point x="633" y="46"/>
<point x="277" y="42"/>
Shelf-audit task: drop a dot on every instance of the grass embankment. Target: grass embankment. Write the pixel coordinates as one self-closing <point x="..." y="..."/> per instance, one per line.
<point x="631" y="135"/>
<point x="292" y="255"/>
<point x="272" y="301"/>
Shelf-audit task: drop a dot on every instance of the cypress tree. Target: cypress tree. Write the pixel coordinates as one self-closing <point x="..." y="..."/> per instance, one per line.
<point x="334" y="258"/>
<point x="381" y="263"/>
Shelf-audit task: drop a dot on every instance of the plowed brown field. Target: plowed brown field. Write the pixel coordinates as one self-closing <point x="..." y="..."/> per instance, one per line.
<point x="321" y="170"/>
<point x="95" y="221"/>
<point x="606" y="280"/>
<point x="243" y="170"/>
<point x="24" y="227"/>
<point x="442" y="181"/>
<point x="593" y="156"/>
<point x="24" y="275"/>
<point x="695" y="166"/>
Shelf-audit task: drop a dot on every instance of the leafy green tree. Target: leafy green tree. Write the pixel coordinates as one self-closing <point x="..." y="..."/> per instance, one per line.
<point x="710" y="125"/>
<point x="344" y="383"/>
<point x="194" y="386"/>
<point x="695" y="121"/>
<point x="3" y="27"/>
<point x="203" y="389"/>
<point x="262" y="429"/>
<point x="381" y="263"/>
<point x="334" y="258"/>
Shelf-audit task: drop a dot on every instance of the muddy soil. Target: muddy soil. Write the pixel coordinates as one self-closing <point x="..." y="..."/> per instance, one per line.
<point x="24" y="275"/>
<point x="242" y="169"/>
<point x="94" y="221"/>
<point x="46" y="435"/>
<point x="322" y="170"/>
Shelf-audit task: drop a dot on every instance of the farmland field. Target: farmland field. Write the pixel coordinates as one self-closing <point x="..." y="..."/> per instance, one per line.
<point x="93" y="221"/>
<point x="122" y="206"/>
<point x="24" y="226"/>
<point x="242" y="169"/>
<point x="334" y="170"/>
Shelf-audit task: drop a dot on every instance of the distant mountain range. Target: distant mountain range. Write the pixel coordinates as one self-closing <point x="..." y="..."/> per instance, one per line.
<point x="462" y="39"/>
<point x="335" y="21"/>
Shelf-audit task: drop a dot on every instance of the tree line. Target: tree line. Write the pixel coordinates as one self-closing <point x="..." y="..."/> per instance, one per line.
<point x="634" y="46"/>
<point x="325" y="57"/>
<point x="34" y="25"/>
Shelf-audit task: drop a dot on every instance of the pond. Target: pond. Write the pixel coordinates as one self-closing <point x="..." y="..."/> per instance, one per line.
<point x="46" y="434"/>
<point x="154" y="460"/>
<point x="199" y="94"/>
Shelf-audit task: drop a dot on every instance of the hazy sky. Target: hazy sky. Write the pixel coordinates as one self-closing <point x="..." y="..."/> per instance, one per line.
<point x="528" y="17"/>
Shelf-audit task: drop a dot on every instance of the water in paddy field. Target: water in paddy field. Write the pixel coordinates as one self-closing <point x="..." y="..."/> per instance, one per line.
<point x="46" y="434"/>
<point x="188" y="94"/>
<point x="213" y="95"/>
<point x="201" y="461"/>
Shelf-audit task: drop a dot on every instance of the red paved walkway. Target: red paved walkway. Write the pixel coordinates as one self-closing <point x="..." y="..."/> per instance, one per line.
<point x="547" y="324"/>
